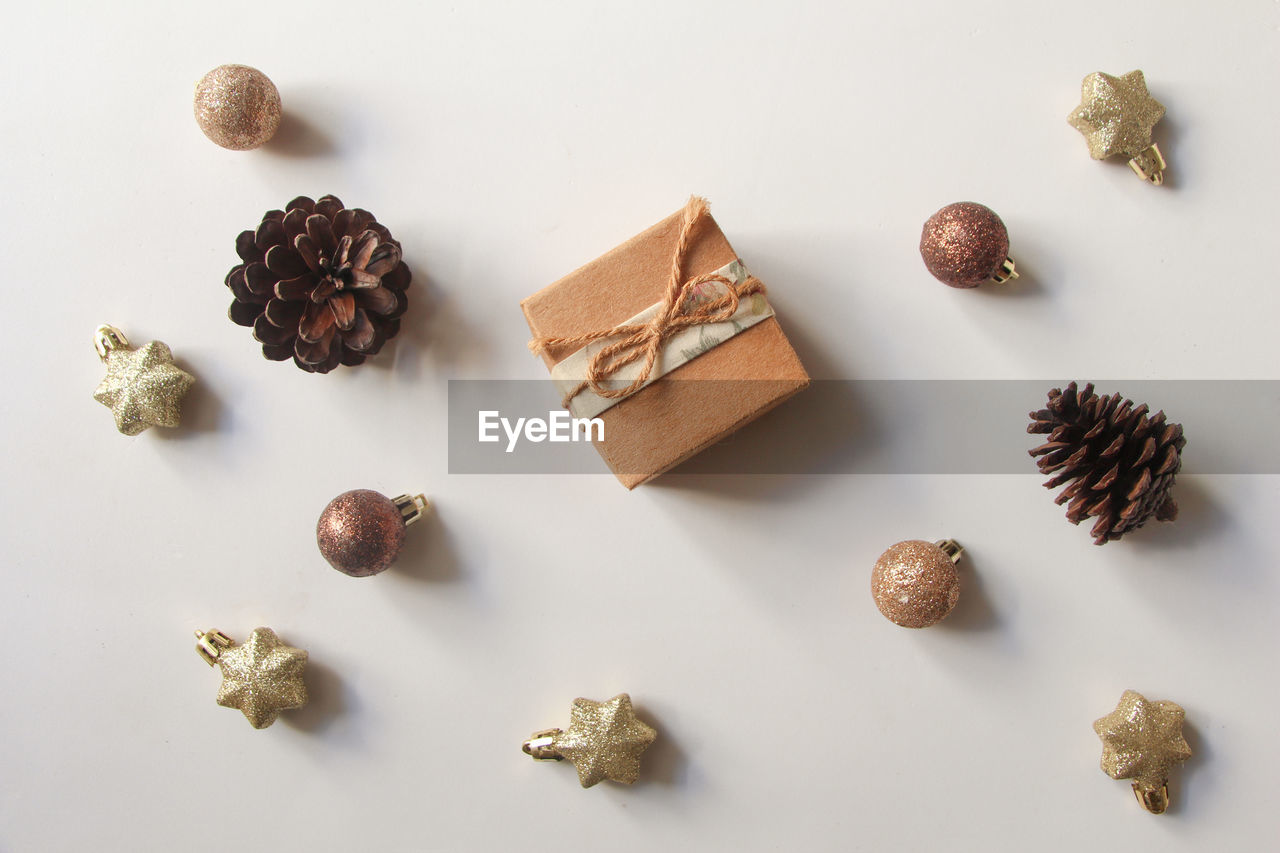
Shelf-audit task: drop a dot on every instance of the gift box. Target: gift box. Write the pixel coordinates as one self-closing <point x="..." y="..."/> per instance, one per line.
<point x="668" y="340"/>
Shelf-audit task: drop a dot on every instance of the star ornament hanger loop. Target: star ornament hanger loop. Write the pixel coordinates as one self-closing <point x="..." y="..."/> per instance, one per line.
<point x="260" y="678"/>
<point x="143" y="387"/>
<point x="1142" y="740"/>
<point x="604" y="741"/>
<point x="1117" y="116"/>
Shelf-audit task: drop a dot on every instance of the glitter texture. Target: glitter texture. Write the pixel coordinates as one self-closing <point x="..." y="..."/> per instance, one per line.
<point x="237" y="107"/>
<point x="915" y="584"/>
<point x="1116" y="114"/>
<point x="360" y="532"/>
<point x="964" y="244"/>
<point x="1141" y="740"/>
<point x="604" y="740"/>
<point x="262" y="677"/>
<point x="143" y="388"/>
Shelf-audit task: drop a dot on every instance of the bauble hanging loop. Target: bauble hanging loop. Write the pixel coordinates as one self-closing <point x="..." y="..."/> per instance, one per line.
<point x="965" y="244"/>
<point x="106" y="339"/>
<point x="143" y="387"/>
<point x="362" y="531"/>
<point x="260" y="678"/>
<point x="915" y="584"/>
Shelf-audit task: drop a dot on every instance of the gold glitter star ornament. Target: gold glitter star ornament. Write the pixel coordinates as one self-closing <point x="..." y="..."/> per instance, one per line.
<point x="604" y="741"/>
<point x="143" y="388"/>
<point x="1141" y="740"/>
<point x="1116" y="116"/>
<point x="260" y="678"/>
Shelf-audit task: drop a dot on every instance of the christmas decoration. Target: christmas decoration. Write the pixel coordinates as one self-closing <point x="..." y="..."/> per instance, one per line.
<point x="668" y="340"/>
<point x="237" y="107"/>
<point x="965" y="244"/>
<point x="361" y="532"/>
<point x="319" y="283"/>
<point x="604" y="741"/>
<point x="143" y="388"/>
<point x="1141" y="740"/>
<point x="1119" y="462"/>
<point x="260" y="678"/>
<point x="1116" y="116"/>
<point x="915" y="584"/>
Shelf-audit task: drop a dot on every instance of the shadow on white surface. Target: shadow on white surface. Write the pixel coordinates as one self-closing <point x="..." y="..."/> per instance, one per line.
<point x="664" y="762"/>
<point x="815" y="432"/>
<point x="1191" y="774"/>
<point x="433" y="330"/>
<point x="202" y="411"/>
<point x="428" y="553"/>
<point x="1198" y="519"/>
<point x="327" y="700"/>
<point x="973" y="610"/>
<point x="297" y="137"/>
<point x="1170" y="135"/>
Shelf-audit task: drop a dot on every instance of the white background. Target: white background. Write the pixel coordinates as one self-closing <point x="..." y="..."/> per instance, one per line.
<point x="506" y="144"/>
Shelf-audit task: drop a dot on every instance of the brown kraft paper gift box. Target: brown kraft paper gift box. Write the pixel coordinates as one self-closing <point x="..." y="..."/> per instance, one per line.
<point x="677" y="416"/>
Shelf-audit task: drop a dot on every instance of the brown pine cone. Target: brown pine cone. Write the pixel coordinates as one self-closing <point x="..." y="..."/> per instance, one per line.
<point x="1119" y="462"/>
<point x="320" y="283"/>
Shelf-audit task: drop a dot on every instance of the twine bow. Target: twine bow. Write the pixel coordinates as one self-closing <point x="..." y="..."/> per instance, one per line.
<point x="679" y="311"/>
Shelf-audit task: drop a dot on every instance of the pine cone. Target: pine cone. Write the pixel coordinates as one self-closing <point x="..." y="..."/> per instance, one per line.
<point x="320" y="283"/>
<point x="1120" y="463"/>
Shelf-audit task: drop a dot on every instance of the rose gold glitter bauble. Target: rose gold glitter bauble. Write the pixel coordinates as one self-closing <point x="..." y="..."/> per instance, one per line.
<point x="915" y="584"/>
<point x="237" y="107"/>
<point x="964" y="244"/>
<point x="361" y="532"/>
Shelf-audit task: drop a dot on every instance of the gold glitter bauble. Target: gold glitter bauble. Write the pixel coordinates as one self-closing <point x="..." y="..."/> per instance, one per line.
<point x="143" y="388"/>
<point x="604" y="741"/>
<point x="260" y="678"/>
<point x="237" y="107"/>
<point x="1141" y="740"/>
<point x="915" y="584"/>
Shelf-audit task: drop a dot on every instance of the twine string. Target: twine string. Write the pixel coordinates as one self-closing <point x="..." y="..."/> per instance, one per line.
<point x="644" y="341"/>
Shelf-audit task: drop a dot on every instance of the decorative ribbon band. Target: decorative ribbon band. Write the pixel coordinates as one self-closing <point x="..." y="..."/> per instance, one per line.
<point x="693" y="316"/>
